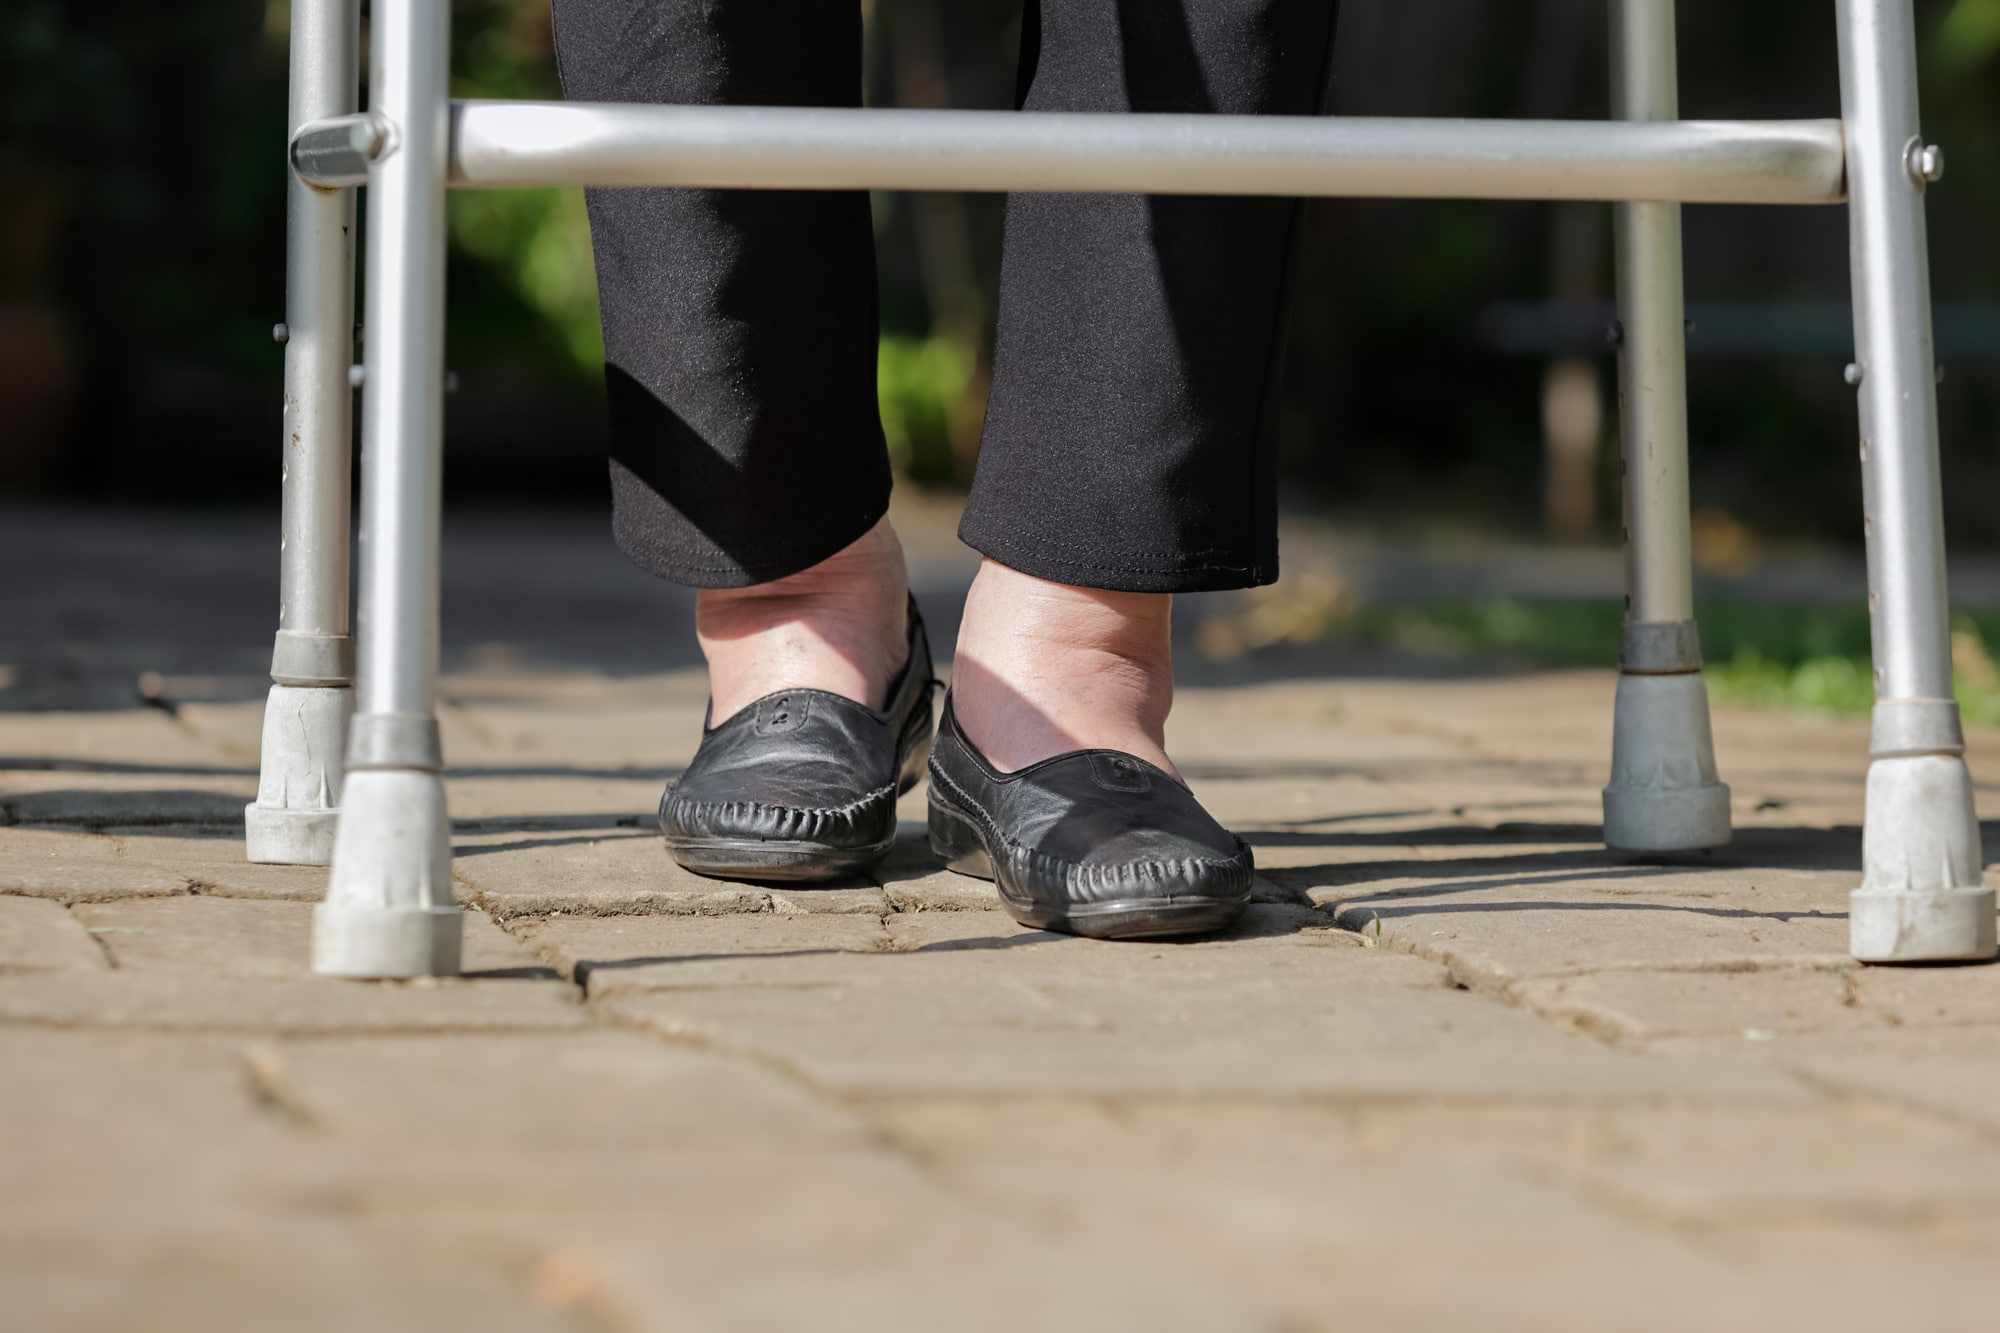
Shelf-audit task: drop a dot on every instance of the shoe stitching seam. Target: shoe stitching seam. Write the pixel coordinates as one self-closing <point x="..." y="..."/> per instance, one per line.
<point x="688" y="804"/>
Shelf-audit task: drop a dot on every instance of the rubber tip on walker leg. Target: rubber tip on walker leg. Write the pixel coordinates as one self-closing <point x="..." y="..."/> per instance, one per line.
<point x="1666" y="819"/>
<point x="388" y="909"/>
<point x="1921" y="899"/>
<point x="1949" y="925"/>
<point x="297" y="809"/>
<point x="385" y="942"/>
<point x="1664" y="795"/>
<point x="282" y="837"/>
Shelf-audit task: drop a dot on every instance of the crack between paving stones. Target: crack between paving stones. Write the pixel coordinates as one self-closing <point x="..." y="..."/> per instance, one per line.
<point x="471" y="721"/>
<point x="150" y="689"/>
<point x="1849" y="1094"/>
<point x="604" y="1015"/>
<point x="264" y="1083"/>
<point x="1706" y="1238"/>
<point x="103" y="945"/>
<point x="862" y="1105"/>
<point x="497" y="910"/>
<point x="87" y="896"/>
<point x="1464" y="977"/>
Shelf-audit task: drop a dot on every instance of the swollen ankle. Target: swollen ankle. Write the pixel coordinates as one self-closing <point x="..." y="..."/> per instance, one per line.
<point x="840" y="626"/>
<point x="1044" y="669"/>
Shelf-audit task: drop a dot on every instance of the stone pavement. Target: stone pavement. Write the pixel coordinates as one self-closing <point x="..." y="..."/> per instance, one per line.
<point x="1460" y="1066"/>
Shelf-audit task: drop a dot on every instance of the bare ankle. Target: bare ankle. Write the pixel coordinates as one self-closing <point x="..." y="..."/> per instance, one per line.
<point x="839" y="626"/>
<point x="1044" y="668"/>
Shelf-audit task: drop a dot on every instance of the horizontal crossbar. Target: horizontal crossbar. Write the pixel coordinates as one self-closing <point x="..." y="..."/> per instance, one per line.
<point x="510" y="143"/>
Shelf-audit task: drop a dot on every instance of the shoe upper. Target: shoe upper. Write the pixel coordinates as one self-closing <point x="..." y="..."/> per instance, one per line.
<point x="808" y="765"/>
<point x="1093" y="826"/>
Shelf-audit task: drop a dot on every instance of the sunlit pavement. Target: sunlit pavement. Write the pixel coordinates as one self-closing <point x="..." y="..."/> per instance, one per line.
<point x="1459" y="1066"/>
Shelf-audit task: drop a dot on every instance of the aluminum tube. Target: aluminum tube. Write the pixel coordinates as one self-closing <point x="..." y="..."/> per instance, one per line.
<point x="555" y="143"/>
<point x="319" y="345"/>
<point x="1652" y="359"/>
<point x="1892" y="340"/>
<point x="402" y="401"/>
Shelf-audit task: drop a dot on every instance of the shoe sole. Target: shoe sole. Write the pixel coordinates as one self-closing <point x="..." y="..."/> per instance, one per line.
<point x="796" y="862"/>
<point x="957" y="837"/>
<point x="773" y="862"/>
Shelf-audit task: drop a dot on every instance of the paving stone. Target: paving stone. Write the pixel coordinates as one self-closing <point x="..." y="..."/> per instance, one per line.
<point x="186" y="1000"/>
<point x="501" y="678"/>
<point x="643" y="952"/>
<point x="1932" y="996"/>
<point x="538" y="796"/>
<point x="772" y="1240"/>
<point x="986" y="1006"/>
<point x="1868" y="1164"/>
<point x="809" y="900"/>
<point x="215" y="865"/>
<point x="1777" y="1001"/>
<point x="571" y="1095"/>
<point x="1419" y="1217"/>
<point x="1757" y="1005"/>
<point x="535" y="874"/>
<point x="226" y="937"/>
<point x="669" y="1187"/>
<point x="112" y="740"/>
<point x="1838" y="1161"/>
<point x="255" y="1274"/>
<point x="71" y="865"/>
<point x="156" y="1181"/>
<point x="1494" y="924"/>
<point x="661" y="1179"/>
<point x="94" y="797"/>
<point x="590" y="734"/>
<point x="143" y="1127"/>
<point x="37" y="935"/>
<point x="235" y="726"/>
<point x="1950" y="1071"/>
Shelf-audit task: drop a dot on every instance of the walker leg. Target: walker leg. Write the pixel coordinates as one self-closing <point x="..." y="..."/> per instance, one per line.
<point x="312" y="665"/>
<point x="1921" y="896"/>
<point x="389" y="910"/>
<point x="1664" y="794"/>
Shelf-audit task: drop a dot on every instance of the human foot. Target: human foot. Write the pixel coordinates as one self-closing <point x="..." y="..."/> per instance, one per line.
<point x="1044" y="669"/>
<point x="1094" y="843"/>
<point x="840" y="626"/>
<point x="802" y="784"/>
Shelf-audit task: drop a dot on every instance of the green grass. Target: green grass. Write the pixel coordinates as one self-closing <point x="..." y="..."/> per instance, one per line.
<point x="1772" y="655"/>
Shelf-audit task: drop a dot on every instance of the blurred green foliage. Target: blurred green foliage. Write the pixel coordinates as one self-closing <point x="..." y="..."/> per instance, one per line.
<point x="535" y="243"/>
<point x="920" y="383"/>
<point x="1969" y="36"/>
<point x="1780" y="655"/>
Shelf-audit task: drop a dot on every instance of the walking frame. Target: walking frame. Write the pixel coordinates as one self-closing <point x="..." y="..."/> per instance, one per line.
<point x="362" y="790"/>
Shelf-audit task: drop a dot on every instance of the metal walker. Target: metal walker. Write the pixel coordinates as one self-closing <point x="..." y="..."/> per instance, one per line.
<point x="362" y="790"/>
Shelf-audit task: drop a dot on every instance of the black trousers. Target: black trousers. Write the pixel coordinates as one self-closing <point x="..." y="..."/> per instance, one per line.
<point x="1130" y="434"/>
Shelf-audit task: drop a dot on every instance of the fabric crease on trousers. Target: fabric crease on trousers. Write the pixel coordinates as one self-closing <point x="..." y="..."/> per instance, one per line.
<point x="1130" y="433"/>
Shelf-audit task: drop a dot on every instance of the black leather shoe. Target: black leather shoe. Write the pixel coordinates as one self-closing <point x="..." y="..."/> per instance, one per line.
<point x="802" y="784"/>
<point x="1097" y="842"/>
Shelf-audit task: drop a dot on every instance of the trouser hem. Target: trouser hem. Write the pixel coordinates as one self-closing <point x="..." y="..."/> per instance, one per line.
<point x="1215" y="573"/>
<point x="635" y="538"/>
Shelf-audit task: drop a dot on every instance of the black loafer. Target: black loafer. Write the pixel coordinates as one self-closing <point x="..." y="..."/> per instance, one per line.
<point x="1094" y="843"/>
<point x="802" y="784"/>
